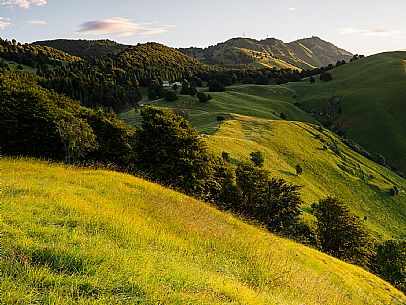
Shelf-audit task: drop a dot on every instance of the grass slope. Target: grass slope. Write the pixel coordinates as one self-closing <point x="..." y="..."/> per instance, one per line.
<point x="336" y="171"/>
<point x="265" y="60"/>
<point x="372" y="95"/>
<point x="257" y="101"/>
<point x="306" y="53"/>
<point x="74" y="236"/>
<point x="253" y="124"/>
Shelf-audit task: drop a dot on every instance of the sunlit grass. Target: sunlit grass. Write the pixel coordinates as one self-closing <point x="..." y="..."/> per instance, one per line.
<point x="73" y="236"/>
<point x="340" y="172"/>
<point x="372" y="95"/>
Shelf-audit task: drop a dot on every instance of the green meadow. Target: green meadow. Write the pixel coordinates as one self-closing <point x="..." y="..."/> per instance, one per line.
<point x="78" y="236"/>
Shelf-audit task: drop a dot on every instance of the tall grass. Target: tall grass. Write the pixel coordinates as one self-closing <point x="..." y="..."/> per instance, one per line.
<point x="77" y="236"/>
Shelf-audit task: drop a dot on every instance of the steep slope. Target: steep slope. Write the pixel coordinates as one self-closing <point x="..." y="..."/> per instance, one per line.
<point x="305" y="53"/>
<point x="330" y="167"/>
<point x="317" y="52"/>
<point x="371" y="94"/>
<point x="86" y="49"/>
<point x="73" y="236"/>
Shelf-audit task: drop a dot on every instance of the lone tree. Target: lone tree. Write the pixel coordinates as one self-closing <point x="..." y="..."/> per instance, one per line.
<point x="341" y="233"/>
<point x="257" y="158"/>
<point x="299" y="170"/>
<point x="203" y="98"/>
<point x="312" y="80"/>
<point x="220" y="119"/>
<point x="169" y="150"/>
<point x="171" y="96"/>
<point x="325" y="76"/>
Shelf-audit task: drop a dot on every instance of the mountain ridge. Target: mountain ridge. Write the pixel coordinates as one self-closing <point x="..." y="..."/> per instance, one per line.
<point x="305" y="53"/>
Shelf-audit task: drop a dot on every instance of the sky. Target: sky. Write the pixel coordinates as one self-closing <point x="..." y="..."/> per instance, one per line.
<point x="359" y="26"/>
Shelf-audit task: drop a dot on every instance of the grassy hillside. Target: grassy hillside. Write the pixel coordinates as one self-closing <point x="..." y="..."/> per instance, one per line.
<point x="330" y="167"/>
<point x="372" y="94"/>
<point x="306" y="53"/>
<point x="334" y="170"/>
<point x="266" y="102"/>
<point x="74" y="236"/>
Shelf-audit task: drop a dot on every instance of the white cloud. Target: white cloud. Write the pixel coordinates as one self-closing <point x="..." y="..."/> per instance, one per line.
<point x="370" y="32"/>
<point x="37" y="22"/>
<point x="4" y="22"/>
<point x="292" y="9"/>
<point x="121" y="27"/>
<point x="23" y="3"/>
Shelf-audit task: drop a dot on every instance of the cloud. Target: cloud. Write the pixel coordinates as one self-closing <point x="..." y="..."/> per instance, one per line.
<point x="4" y="22"/>
<point x="37" y="22"/>
<point x="292" y="9"/>
<point x="23" y="3"/>
<point x="370" y="32"/>
<point x="121" y="27"/>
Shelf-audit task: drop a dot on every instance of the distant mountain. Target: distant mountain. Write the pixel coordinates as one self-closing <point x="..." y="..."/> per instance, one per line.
<point x="86" y="49"/>
<point x="305" y="53"/>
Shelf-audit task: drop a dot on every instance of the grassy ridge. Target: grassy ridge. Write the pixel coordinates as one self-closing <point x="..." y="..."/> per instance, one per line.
<point x="371" y="93"/>
<point x="335" y="171"/>
<point x="95" y="237"/>
<point x="266" y="102"/>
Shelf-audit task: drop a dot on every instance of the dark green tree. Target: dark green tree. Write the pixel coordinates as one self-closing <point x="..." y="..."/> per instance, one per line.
<point x="220" y="119"/>
<point x="325" y="76"/>
<point x="171" y="95"/>
<point x="225" y="156"/>
<point x="341" y="233"/>
<point x="299" y="170"/>
<point x="169" y="150"/>
<point x="216" y="86"/>
<point x="273" y="202"/>
<point x="257" y="158"/>
<point x="312" y="80"/>
<point x="203" y="98"/>
<point x="390" y="262"/>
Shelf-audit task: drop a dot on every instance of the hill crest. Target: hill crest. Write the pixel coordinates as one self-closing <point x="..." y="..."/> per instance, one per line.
<point x="304" y="53"/>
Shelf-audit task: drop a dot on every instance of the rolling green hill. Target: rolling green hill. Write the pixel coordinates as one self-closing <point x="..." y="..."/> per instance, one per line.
<point x="371" y="93"/>
<point x="306" y="53"/>
<point x="86" y="49"/>
<point x="330" y="167"/>
<point x="72" y="236"/>
<point x="33" y="55"/>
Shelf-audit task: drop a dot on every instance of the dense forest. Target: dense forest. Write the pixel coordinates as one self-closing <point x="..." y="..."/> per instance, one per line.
<point x="86" y="49"/>
<point x="34" y="56"/>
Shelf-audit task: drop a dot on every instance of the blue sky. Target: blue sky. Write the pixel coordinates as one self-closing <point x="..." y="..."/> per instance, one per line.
<point x="360" y="26"/>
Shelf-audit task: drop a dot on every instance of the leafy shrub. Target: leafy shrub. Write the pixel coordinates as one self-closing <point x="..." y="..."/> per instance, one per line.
<point x="171" y="96"/>
<point x="257" y="158"/>
<point x="203" y="98"/>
